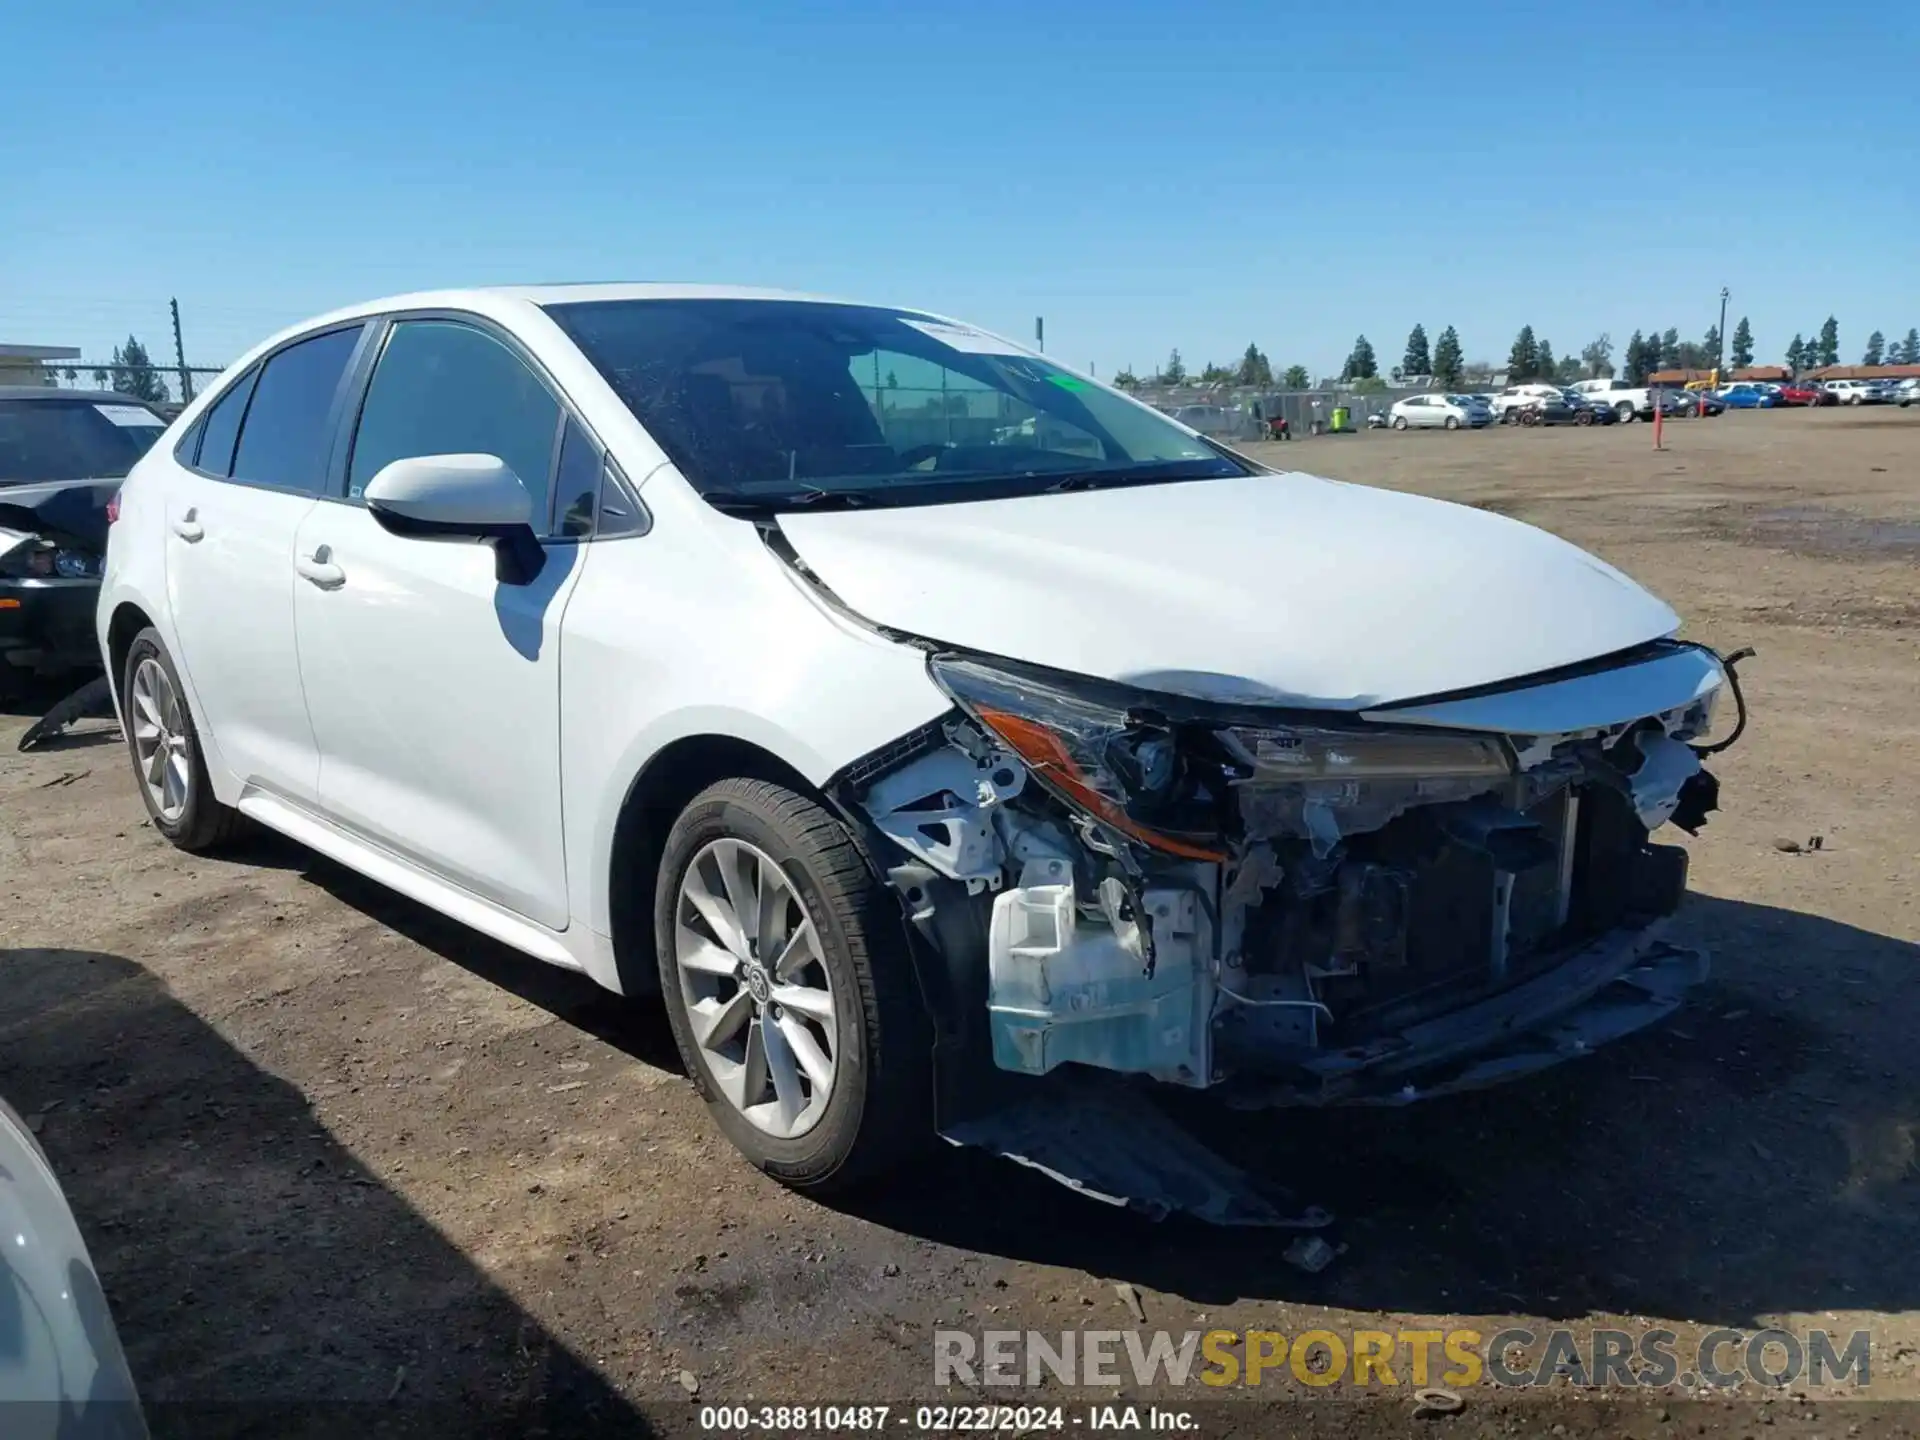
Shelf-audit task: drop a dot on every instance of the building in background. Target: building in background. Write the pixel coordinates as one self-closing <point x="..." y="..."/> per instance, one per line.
<point x="29" y="364"/>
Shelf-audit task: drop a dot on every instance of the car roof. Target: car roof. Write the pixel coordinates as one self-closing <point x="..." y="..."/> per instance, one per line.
<point x="486" y="298"/>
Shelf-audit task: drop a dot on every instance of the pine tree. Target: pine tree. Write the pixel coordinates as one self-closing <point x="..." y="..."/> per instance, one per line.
<point x="1446" y="358"/>
<point x="1174" y="372"/>
<point x="1523" y="360"/>
<point x="1635" y="360"/>
<point x="1670" y="350"/>
<point x="1742" y="345"/>
<point x="1912" y="348"/>
<point x="1710" y="347"/>
<point x="135" y="374"/>
<point x="1797" y="355"/>
<point x="1254" y="369"/>
<point x="1419" y="360"/>
<point x="1297" y="378"/>
<point x="1876" y="350"/>
<point x="1361" y="364"/>
<point x="1544" y="363"/>
<point x="1830" y="342"/>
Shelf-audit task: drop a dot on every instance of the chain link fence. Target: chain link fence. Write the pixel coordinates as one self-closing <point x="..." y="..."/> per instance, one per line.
<point x="1251" y="412"/>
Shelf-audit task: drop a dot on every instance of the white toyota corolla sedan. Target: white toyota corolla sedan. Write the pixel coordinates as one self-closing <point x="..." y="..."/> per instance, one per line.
<point x="917" y="716"/>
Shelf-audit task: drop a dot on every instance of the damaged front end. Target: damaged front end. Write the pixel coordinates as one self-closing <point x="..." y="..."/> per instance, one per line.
<point x="1296" y="908"/>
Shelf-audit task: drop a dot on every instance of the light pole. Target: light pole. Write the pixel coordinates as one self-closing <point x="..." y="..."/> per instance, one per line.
<point x="1720" y="357"/>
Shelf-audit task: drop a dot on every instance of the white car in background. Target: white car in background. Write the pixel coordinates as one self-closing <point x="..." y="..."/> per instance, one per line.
<point x="1517" y="397"/>
<point x="1859" y="392"/>
<point x="1907" y="392"/>
<point x="691" y="639"/>
<point x="1435" y="412"/>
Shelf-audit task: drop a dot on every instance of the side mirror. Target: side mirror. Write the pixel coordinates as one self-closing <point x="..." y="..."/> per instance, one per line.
<point x="461" y="497"/>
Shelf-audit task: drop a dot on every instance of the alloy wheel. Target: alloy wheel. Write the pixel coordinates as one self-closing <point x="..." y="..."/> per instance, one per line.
<point x="160" y="740"/>
<point x="758" y="995"/>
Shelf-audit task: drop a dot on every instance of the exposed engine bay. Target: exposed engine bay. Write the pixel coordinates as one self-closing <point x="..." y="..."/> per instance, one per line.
<point x="1299" y="908"/>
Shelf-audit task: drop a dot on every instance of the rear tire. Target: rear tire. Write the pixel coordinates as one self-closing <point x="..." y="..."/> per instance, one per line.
<point x="1625" y="412"/>
<point x="173" y="774"/>
<point x="878" y="1105"/>
<point x="1453" y="422"/>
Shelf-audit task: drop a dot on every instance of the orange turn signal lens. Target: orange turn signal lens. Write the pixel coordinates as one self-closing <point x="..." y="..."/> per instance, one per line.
<point x="1046" y="754"/>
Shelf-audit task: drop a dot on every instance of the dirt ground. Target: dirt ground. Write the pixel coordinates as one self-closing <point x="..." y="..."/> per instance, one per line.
<point x="327" y="1147"/>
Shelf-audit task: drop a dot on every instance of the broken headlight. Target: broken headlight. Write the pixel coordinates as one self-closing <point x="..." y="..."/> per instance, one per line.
<point x="1131" y="774"/>
<point x="1282" y="755"/>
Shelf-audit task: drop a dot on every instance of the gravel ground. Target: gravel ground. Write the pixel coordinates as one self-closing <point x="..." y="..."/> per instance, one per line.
<point x="330" y="1149"/>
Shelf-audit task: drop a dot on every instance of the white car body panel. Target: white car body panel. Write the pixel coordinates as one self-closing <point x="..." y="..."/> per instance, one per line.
<point x="230" y="596"/>
<point x="421" y="652"/>
<point x="655" y="652"/>
<point x="1596" y="700"/>
<point x="62" y="1370"/>
<point x="1273" y="589"/>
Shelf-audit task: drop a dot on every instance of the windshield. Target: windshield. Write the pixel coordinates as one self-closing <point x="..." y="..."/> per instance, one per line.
<point x="72" y="439"/>
<point x="770" y="404"/>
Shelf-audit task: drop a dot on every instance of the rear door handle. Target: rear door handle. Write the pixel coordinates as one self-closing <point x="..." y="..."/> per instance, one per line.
<point x="320" y="569"/>
<point x="188" y="528"/>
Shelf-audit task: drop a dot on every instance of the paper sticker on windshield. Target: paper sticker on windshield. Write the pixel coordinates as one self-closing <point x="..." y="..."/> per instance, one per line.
<point x="133" y="417"/>
<point x="964" y="339"/>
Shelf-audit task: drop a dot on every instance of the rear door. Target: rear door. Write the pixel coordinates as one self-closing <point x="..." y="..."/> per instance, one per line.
<point x="434" y="688"/>
<point x="233" y="508"/>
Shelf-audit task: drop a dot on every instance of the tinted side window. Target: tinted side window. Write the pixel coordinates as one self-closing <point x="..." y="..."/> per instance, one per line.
<point x="576" y="482"/>
<point x="284" y="440"/>
<point x="443" y="388"/>
<point x="222" y="427"/>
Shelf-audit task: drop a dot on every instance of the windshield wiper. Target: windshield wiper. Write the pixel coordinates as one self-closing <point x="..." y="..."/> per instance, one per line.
<point x="747" y="502"/>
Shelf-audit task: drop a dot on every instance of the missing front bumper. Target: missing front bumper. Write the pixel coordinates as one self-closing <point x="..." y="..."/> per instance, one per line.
<point x="1620" y="983"/>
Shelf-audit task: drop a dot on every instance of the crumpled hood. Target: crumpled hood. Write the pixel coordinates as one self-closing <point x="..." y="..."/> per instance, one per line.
<point x="71" y="510"/>
<point x="1273" y="589"/>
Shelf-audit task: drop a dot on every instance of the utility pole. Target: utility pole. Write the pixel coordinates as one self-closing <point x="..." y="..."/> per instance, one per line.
<point x="1040" y="333"/>
<point x="1720" y="359"/>
<point x="180" y="355"/>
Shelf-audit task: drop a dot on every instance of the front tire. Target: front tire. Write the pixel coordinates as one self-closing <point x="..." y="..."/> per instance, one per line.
<point x="1399" y="422"/>
<point x="1453" y="422"/>
<point x="1625" y="412"/>
<point x="164" y="745"/>
<point x="784" y="965"/>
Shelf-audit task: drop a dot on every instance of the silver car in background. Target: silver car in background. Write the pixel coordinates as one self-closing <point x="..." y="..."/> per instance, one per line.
<point x="62" y="1371"/>
<point x="1438" y="412"/>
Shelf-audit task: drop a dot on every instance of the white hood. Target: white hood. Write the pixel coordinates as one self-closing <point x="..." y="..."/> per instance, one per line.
<point x="1275" y="589"/>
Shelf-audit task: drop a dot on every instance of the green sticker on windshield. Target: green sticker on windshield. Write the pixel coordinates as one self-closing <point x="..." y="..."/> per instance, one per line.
<point x="1068" y="382"/>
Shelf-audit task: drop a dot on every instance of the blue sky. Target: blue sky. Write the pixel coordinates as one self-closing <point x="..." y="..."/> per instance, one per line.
<point x="1145" y="175"/>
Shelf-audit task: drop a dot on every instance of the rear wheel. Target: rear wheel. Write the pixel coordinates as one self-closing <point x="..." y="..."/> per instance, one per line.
<point x="1453" y="422"/>
<point x="789" y="987"/>
<point x="1583" y="417"/>
<point x="165" y="748"/>
<point x="1625" y="412"/>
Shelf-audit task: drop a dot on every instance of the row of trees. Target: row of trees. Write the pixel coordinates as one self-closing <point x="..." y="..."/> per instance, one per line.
<point x="1254" y="369"/>
<point x="1532" y="358"/>
<point x="132" y="373"/>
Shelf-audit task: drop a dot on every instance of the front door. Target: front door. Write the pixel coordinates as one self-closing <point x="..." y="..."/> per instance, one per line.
<point x="434" y="689"/>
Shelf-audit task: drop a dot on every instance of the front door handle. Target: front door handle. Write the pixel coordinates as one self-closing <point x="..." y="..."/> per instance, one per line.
<point x="320" y="569"/>
<point x="188" y="528"/>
